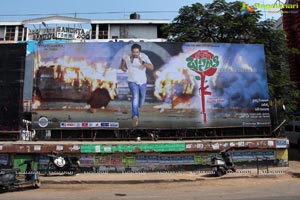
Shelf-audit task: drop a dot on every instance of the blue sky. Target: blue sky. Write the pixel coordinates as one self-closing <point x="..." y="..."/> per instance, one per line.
<point x="20" y="7"/>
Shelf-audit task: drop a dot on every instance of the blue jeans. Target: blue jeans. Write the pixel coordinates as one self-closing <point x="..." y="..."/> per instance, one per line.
<point x="138" y="93"/>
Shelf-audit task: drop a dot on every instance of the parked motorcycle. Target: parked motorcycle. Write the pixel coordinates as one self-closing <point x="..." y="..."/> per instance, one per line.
<point x="62" y="164"/>
<point x="9" y="180"/>
<point x="222" y="163"/>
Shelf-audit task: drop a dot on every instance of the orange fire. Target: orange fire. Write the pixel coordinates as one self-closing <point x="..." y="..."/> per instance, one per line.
<point x="181" y="101"/>
<point x="71" y="74"/>
<point x="79" y="72"/>
<point x="175" y="89"/>
<point x="110" y="86"/>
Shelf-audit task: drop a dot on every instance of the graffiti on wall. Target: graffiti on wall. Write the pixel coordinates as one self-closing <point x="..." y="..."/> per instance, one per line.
<point x="251" y="156"/>
<point x="150" y="161"/>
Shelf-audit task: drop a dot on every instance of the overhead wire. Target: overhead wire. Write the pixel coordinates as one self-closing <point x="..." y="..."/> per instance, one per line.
<point x="84" y="13"/>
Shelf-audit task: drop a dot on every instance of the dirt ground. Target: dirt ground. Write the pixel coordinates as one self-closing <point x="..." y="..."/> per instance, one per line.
<point x="283" y="187"/>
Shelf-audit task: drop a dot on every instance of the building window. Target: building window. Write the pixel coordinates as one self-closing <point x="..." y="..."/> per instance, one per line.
<point x="103" y="34"/>
<point x="93" y="31"/>
<point x="10" y="33"/>
<point x="1" y="33"/>
<point x="20" y="33"/>
<point x="103" y="31"/>
<point x="25" y="34"/>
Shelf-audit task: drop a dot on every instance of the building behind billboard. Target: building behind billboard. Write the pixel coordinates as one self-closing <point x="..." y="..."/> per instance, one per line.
<point x="12" y="66"/>
<point x="210" y="89"/>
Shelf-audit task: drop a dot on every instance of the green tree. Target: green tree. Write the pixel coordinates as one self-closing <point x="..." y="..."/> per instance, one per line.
<point x="221" y="21"/>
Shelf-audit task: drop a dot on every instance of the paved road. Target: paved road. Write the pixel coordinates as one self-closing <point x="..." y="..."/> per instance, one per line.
<point x="283" y="187"/>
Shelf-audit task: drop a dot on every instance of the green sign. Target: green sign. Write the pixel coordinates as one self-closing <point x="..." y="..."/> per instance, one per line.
<point x="130" y="148"/>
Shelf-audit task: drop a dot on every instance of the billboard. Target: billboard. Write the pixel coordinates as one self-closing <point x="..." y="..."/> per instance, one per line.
<point x="105" y="85"/>
<point x="59" y="32"/>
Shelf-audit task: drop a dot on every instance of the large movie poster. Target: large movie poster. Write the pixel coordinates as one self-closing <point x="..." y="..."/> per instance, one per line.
<point x="120" y="85"/>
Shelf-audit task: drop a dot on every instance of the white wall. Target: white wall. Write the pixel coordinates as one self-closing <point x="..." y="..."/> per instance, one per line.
<point x="135" y="31"/>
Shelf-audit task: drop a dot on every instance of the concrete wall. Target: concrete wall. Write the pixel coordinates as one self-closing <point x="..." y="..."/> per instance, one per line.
<point x="134" y="31"/>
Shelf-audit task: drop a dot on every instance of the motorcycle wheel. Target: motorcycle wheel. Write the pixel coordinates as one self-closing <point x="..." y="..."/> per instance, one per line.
<point x="50" y="167"/>
<point x="233" y="169"/>
<point x="3" y="189"/>
<point x="72" y="172"/>
<point x="75" y="169"/>
<point x="219" y="173"/>
<point x="69" y="173"/>
<point x="36" y="184"/>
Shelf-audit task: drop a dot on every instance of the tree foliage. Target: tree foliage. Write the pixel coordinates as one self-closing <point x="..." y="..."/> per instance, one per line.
<point x="221" y="21"/>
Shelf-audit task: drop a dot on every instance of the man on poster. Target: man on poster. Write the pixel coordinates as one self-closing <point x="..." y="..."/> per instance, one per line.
<point x="136" y="64"/>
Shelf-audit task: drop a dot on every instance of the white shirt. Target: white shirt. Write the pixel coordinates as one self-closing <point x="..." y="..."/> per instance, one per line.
<point x="136" y="70"/>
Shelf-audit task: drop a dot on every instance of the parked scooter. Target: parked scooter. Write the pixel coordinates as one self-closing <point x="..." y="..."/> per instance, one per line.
<point x="222" y="164"/>
<point x="62" y="164"/>
<point x="9" y="180"/>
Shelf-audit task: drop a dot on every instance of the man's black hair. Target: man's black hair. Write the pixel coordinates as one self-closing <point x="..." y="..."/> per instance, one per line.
<point x="136" y="46"/>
